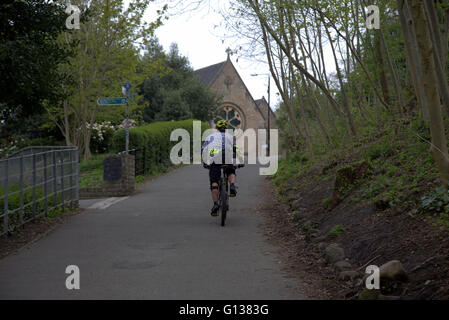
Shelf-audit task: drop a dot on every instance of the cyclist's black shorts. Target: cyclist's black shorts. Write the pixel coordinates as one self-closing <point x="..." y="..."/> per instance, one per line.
<point x="215" y="172"/>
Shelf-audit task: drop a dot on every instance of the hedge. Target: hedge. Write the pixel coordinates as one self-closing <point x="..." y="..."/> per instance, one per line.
<point x="155" y="139"/>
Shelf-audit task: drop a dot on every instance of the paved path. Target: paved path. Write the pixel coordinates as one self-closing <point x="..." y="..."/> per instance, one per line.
<point x="161" y="243"/>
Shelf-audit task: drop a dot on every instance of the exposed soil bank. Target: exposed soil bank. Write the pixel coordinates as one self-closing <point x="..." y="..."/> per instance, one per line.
<point x="304" y="223"/>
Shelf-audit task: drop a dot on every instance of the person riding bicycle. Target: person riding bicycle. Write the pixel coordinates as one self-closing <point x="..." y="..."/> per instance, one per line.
<point x="216" y="151"/>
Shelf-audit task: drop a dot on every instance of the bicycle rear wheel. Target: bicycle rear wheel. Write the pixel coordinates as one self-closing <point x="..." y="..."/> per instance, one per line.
<point x="224" y="204"/>
<point x="223" y="217"/>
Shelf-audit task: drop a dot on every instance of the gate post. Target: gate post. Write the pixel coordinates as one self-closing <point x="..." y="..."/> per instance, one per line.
<point x="118" y="175"/>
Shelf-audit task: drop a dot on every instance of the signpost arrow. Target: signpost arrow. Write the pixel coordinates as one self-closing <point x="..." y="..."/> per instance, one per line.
<point x="112" y="101"/>
<point x="120" y="102"/>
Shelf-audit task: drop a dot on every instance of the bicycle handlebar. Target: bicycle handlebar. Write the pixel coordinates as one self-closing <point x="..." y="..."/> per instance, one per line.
<point x="206" y="166"/>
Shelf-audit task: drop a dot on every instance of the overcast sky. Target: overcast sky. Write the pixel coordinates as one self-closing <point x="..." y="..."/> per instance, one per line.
<point x="204" y="42"/>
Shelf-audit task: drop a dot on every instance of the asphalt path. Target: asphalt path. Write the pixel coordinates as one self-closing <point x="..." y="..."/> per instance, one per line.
<point x="160" y="243"/>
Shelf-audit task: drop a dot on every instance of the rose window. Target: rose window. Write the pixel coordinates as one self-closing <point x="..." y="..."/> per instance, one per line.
<point x="232" y="116"/>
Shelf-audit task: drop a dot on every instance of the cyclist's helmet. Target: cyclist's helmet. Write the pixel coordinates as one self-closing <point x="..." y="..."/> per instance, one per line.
<point x="222" y="125"/>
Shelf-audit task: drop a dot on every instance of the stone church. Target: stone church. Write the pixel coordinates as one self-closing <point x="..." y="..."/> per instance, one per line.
<point x="238" y="107"/>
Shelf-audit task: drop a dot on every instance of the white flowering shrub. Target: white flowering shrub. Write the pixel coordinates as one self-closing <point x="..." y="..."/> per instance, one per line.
<point x="10" y="145"/>
<point x="102" y="133"/>
<point x="101" y="136"/>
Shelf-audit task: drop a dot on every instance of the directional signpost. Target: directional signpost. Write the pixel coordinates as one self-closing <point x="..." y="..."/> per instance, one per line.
<point x="111" y="101"/>
<point x="120" y="102"/>
<point x="127" y="87"/>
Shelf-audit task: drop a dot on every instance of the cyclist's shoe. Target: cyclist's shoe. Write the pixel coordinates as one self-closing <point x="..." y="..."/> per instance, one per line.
<point x="232" y="190"/>
<point x="214" y="211"/>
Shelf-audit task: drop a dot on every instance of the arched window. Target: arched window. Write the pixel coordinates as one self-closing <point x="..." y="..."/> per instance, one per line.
<point x="232" y="115"/>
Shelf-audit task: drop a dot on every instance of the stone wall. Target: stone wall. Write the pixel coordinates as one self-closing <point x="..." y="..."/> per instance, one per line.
<point x="123" y="186"/>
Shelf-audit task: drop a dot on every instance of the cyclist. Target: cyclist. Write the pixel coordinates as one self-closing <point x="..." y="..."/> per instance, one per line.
<point x="214" y="151"/>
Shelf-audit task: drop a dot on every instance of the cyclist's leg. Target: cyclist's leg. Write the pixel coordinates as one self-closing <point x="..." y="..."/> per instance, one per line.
<point x="230" y="171"/>
<point x="214" y="177"/>
<point x="214" y="191"/>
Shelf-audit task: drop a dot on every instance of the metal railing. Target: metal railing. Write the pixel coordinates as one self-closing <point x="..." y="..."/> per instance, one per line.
<point x="35" y="182"/>
<point x="146" y="159"/>
<point x="140" y="161"/>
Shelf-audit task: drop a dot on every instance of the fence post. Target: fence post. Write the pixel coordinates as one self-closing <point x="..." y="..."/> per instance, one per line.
<point x="45" y="184"/>
<point x="76" y="175"/>
<point x="150" y="157"/>
<point x="135" y="153"/>
<point x="34" y="185"/>
<point x="55" y="182"/>
<point x="144" y="160"/>
<point x="71" y="179"/>
<point x="6" y="211"/>
<point x="21" y="192"/>
<point x="62" y="179"/>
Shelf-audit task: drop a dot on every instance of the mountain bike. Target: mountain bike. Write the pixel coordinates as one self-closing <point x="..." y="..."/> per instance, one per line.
<point x="223" y="193"/>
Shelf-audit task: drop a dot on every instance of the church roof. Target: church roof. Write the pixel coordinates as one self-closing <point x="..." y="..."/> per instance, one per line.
<point x="261" y="105"/>
<point x="207" y="75"/>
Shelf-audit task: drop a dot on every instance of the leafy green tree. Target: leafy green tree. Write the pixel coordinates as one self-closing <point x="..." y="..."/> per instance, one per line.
<point x="30" y="56"/>
<point x="174" y="107"/>
<point x="172" y="90"/>
<point x="107" y="55"/>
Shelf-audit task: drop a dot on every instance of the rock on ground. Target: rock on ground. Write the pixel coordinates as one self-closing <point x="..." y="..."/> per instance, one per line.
<point x="334" y="253"/>
<point x="342" y="265"/>
<point x="393" y="270"/>
<point x="348" y="275"/>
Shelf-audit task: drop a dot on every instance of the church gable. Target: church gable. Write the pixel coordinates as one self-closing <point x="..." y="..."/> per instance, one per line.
<point x="238" y="107"/>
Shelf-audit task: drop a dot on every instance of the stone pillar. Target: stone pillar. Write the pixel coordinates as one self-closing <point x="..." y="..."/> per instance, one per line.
<point x="119" y="174"/>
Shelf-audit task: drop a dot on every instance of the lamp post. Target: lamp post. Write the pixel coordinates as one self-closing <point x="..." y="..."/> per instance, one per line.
<point x="268" y="113"/>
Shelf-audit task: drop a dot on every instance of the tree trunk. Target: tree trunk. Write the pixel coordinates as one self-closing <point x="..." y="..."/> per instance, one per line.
<point x="397" y="87"/>
<point x="278" y="84"/>
<point x="428" y="79"/>
<point x="434" y="30"/>
<point x="67" y="136"/>
<point x="412" y="55"/>
<point x="342" y="86"/>
<point x="382" y="73"/>
<point x="445" y="40"/>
